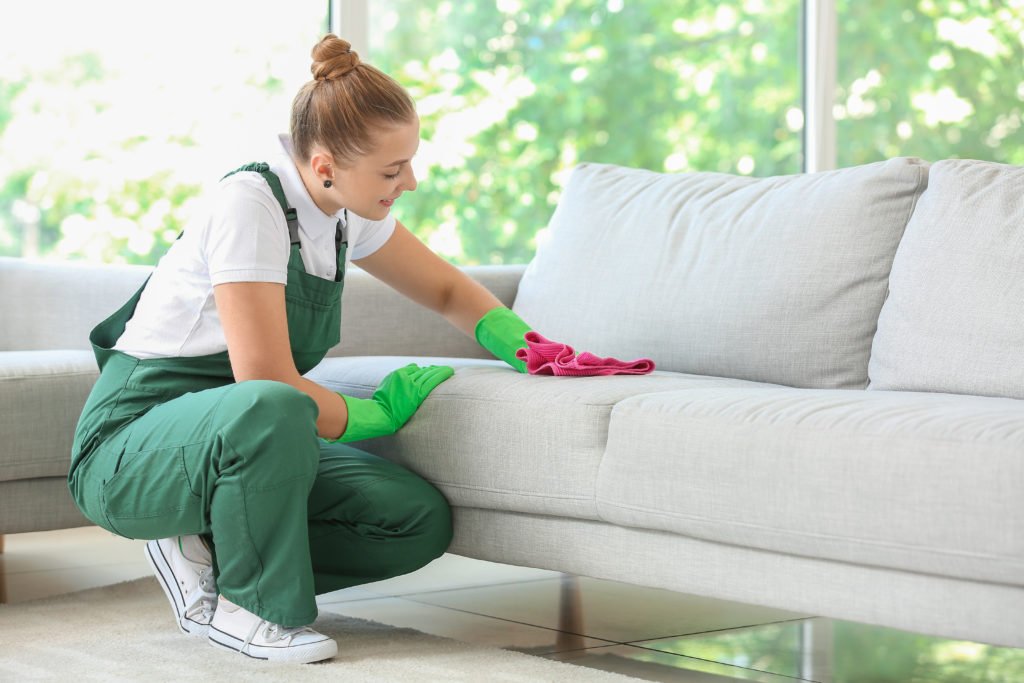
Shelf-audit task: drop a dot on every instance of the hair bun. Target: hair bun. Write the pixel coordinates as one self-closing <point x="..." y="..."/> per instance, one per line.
<point x="333" y="58"/>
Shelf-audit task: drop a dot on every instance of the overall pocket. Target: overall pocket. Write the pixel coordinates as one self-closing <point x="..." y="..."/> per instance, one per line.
<point x="150" y="496"/>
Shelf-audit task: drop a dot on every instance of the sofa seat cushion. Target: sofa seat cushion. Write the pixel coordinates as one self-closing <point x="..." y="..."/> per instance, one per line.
<point x="913" y="481"/>
<point x="42" y="394"/>
<point x="493" y="438"/>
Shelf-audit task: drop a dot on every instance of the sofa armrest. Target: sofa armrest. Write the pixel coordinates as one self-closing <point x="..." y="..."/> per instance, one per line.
<point x="378" y="321"/>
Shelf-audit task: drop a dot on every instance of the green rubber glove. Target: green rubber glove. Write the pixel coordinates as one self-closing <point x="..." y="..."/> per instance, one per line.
<point x="398" y="397"/>
<point x="501" y="331"/>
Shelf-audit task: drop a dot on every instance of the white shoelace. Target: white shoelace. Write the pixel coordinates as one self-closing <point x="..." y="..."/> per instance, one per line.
<point x="273" y="632"/>
<point x="202" y="602"/>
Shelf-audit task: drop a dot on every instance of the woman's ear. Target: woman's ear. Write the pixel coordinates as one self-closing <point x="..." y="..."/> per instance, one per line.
<point x="322" y="165"/>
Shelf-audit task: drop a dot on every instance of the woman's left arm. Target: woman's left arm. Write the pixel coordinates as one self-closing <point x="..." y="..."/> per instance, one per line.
<point x="411" y="268"/>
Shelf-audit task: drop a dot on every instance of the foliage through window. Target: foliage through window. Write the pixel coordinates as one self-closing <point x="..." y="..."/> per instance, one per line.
<point x="514" y="93"/>
<point x="110" y="131"/>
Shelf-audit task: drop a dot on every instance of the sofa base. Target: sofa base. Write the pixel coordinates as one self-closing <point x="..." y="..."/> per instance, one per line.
<point x="37" y="505"/>
<point x="921" y="603"/>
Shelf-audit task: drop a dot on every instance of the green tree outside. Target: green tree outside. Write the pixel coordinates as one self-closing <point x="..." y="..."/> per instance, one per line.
<point x="666" y="85"/>
<point x="512" y="94"/>
<point x="931" y="79"/>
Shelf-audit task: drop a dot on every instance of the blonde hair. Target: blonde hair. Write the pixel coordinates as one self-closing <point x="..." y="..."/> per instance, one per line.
<point x="346" y="104"/>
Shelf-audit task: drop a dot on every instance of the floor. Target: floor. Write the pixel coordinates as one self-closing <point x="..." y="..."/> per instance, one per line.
<point x="650" y="634"/>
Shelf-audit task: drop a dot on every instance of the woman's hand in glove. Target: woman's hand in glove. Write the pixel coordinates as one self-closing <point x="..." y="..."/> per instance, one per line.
<point x="397" y="398"/>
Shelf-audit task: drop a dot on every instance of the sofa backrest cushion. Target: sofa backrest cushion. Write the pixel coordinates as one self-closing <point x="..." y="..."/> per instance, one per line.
<point x="776" y="279"/>
<point x="55" y="305"/>
<point x="954" y="318"/>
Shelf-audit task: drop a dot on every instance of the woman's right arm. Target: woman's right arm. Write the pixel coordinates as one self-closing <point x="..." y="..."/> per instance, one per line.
<point x="255" y="324"/>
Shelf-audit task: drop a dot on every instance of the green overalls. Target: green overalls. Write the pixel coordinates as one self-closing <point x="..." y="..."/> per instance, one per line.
<point x="174" y="446"/>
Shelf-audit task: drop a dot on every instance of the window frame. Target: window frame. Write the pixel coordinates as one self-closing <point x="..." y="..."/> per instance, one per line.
<point x="817" y="36"/>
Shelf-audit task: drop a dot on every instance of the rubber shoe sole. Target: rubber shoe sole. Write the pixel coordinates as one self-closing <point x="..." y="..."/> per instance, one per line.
<point x="169" y="584"/>
<point x="294" y="654"/>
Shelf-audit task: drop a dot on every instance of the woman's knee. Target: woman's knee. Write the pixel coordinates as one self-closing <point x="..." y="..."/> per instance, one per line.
<point x="432" y="517"/>
<point x="265" y="416"/>
<point x="271" y="400"/>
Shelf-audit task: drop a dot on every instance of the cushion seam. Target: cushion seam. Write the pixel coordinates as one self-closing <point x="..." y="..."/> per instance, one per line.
<point x="849" y="434"/>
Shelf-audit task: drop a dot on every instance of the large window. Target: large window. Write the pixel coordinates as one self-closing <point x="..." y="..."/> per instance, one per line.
<point x="514" y="93"/>
<point x="930" y="78"/>
<point x="115" y="116"/>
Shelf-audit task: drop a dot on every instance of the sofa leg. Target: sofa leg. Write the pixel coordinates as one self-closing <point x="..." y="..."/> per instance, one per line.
<point x="570" y="615"/>
<point x="3" y="576"/>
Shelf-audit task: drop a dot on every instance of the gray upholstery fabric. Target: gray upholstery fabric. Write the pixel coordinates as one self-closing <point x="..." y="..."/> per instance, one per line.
<point x="378" y="321"/>
<point x="38" y="505"/>
<point x="41" y="398"/>
<point x="55" y="305"/>
<point x="772" y="279"/>
<point x="922" y="482"/>
<point x="923" y="603"/>
<point x="492" y="437"/>
<point x="58" y="304"/>
<point x="954" y="320"/>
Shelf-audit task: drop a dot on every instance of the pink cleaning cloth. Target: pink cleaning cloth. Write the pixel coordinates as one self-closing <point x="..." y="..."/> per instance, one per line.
<point x="545" y="357"/>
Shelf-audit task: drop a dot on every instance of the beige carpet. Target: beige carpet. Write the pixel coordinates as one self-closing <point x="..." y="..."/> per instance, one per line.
<point x="125" y="632"/>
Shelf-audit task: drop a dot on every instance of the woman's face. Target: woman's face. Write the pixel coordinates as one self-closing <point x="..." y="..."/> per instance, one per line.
<point x="374" y="182"/>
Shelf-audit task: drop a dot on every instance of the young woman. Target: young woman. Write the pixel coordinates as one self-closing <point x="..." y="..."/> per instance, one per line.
<point x="202" y="433"/>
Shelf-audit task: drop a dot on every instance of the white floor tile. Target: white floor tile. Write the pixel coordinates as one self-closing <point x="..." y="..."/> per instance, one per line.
<point x="462" y="626"/>
<point x="454" y="571"/>
<point x="664" y="636"/>
<point x="604" y="609"/>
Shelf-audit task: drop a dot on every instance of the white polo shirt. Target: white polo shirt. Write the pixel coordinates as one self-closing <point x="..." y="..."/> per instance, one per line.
<point x="241" y="237"/>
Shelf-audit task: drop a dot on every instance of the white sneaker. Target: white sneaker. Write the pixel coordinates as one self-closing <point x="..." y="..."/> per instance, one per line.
<point x="235" y="628"/>
<point x="182" y="565"/>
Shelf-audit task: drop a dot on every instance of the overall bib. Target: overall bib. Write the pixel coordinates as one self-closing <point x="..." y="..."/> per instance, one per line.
<point x="174" y="446"/>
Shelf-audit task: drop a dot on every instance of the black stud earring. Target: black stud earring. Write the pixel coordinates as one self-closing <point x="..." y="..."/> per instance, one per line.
<point x="327" y="183"/>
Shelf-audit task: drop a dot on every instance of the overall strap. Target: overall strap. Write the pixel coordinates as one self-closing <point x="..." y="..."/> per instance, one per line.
<point x="290" y="215"/>
<point x="340" y="232"/>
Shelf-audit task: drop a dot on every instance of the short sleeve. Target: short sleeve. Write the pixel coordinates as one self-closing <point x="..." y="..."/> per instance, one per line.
<point x="366" y="236"/>
<point x="247" y="237"/>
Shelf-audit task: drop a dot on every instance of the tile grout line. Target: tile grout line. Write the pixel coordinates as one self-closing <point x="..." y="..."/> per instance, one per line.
<point x="411" y="598"/>
<point x="616" y="643"/>
<point x="510" y="621"/>
<point x="526" y="623"/>
<point x="717" y="630"/>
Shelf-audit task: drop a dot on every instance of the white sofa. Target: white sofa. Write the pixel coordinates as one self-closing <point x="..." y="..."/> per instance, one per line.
<point x="835" y="427"/>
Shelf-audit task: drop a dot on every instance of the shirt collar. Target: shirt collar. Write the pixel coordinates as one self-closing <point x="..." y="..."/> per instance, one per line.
<point x="312" y="220"/>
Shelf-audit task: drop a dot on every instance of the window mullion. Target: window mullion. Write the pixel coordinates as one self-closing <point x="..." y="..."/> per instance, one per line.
<point x="819" y="84"/>
<point x="350" y="20"/>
